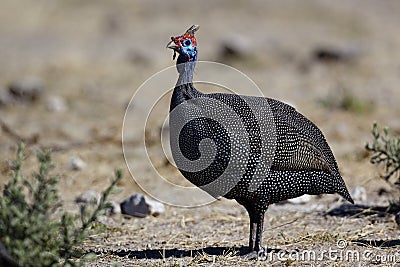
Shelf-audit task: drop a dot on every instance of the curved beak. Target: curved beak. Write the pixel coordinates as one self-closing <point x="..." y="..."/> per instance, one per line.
<point x="172" y="45"/>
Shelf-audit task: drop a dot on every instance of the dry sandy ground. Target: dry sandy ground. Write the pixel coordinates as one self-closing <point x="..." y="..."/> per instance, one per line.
<point x="95" y="54"/>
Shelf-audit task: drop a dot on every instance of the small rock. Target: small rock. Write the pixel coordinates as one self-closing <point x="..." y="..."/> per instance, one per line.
<point x="27" y="89"/>
<point x="89" y="197"/>
<point x="300" y="200"/>
<point x="156" y="208"/>
<point x="5" y="98"/>
<point x="114" y="208"/>
<point x="139" y="205"/>
<point x="326" y="54"/>
<point x="235" y="47"/>
<point x="135" y="206"/>
<point x="359" y="194"/>
<point x="397" y="218"/>
<point x="56" y="104"/>
<point x="76" y="164"/>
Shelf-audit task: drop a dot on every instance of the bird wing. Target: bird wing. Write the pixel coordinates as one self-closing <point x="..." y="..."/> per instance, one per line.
<point x="300" y="143"/>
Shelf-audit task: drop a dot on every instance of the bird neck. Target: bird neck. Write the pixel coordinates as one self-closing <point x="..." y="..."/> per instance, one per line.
<point x="184" y="89"/>
<point x="185" y="72"/>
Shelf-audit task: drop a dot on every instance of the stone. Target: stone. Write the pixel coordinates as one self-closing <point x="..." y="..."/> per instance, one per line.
<point x="5" y="98"/>
<point x="89" y="197"/>
<point x="359" y="194"/>
<point x="332" y="54"/>
<point x="300" y="200"/>
<point x="156" y="207"/>
<point x="114" y="208"/>
<point x="141" y="206"/>
<point x="27" y="89"/>
<point x="56" y="104"/>
<point x="76" y="164"/>
<point x="235" y="47"/>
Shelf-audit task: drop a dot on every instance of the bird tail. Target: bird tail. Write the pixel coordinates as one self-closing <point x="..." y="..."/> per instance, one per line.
<point x="342" y="189"/>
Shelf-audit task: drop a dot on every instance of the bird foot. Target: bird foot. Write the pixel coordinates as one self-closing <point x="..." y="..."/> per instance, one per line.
<point x="253" y="255"/>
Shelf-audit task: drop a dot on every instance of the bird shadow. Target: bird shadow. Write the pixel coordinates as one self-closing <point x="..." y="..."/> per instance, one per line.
<point x="378" y="243"/>
<point x="218" y="251"/>
<point x="358" y="211"/>
<point x="178" y="253"/>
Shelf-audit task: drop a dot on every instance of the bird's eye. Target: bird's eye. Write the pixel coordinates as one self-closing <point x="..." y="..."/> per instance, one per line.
<point x="187" y="42"/>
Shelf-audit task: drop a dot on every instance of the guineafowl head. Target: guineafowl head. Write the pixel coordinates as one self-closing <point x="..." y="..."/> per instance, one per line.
<point x="185" y="45"/>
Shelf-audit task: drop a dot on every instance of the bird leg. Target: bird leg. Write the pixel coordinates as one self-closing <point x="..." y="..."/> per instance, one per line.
<point x="253" y="225"/>
<point x="256" y="227"/>
<point x="252" y="253"/>
<point x="260" y="226"/>
<point x="256" y="231"/>
<point x="252" y="238"/>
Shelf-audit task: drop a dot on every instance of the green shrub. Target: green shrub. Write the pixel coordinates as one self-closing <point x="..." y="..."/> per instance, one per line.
<point x="386" y="152"/>
<point x="29" y="229"/>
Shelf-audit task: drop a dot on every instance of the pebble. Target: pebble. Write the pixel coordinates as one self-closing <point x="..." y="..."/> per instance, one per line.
<point x="331" y="54"/>
<point x="234" y="46"/>
<point x="359" y="194"/>
<point x="89" y="197"/>
<point x="5" y="98"/>
<point x="300" y="200"/>
<point x="141" y="206"/>
<point x="115" y="208"/>
<point x="56" y="104"/>
<point x="92" y="197"/>
<point x="26" y="89"/>
<point x="76" y="164"/>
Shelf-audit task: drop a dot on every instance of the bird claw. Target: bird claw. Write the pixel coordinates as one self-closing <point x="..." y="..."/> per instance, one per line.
<point x="254" y="255"/>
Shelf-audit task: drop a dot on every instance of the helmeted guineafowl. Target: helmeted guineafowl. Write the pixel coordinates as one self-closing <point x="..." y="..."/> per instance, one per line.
<point x="284" y="155"/>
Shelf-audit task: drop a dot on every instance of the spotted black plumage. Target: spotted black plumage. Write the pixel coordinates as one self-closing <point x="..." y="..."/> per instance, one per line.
<point x="285" y="155"/>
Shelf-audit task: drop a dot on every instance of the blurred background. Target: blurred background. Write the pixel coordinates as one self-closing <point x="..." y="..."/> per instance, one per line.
<point x="69" y="68"/>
